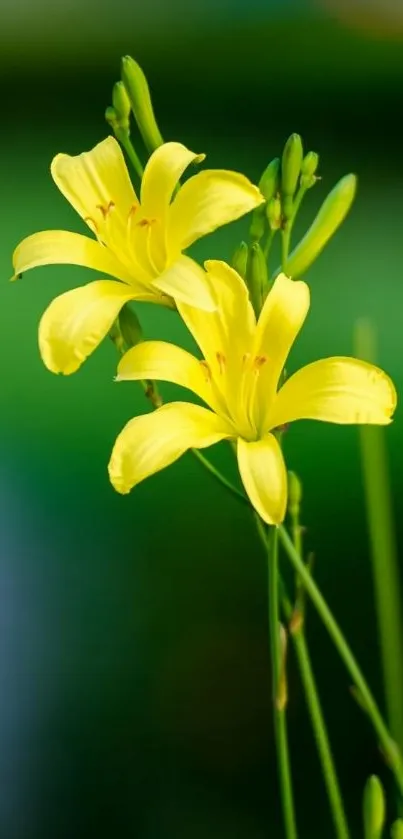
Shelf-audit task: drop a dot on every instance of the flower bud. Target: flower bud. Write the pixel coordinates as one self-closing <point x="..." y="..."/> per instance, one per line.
<point x="257" y="276"/>
<point x="121" y="105"/>
<point x="130" y="326"/>
<point x="291" y="165"/>
<point x="240" y="259"/>
<point x="294" y="494"/>
<point x="138" y="92"/>
<point x="396" y="831"/>
<point x="273" y="212"/>
<point x="270" y="180"/>
<point x="308" y="169"/>
<point x="258" y="223"/>
<point x="310" y="163"/>
<point x="373" y="808"/>
<point x="329" y="218"/>
<point x="111" y="116"/>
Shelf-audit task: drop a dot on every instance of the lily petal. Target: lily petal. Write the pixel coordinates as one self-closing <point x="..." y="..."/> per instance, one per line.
<point x="169" y="363"/>
<point x="340" y="390"/>
<point x="98" y="186"/>
<point x="208" y="200"/>
<point x="228" y="329"/>
<point x="186" y="282"/>
<point x="280" y="321"/>
<point x="77" y="321"/>
<point x="57" y="247"/>
<point x="264" y="477"/>
<point x="161" y="174"/>
<point x="225" y="335"/>
<point x="153" y="441"/>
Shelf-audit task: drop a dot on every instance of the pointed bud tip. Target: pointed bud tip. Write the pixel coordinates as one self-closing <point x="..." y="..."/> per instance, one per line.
<point x="294" y="490"/>
<point x="240" y="259"/>
<point x="121" y="103"/>
<point x="137" y="89"/>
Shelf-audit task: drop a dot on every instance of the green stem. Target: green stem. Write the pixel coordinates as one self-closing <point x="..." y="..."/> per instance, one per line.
<point x="221" y="478"/>
<point x="320" y="734"/>
<point x="285" y="244"/>
<point x="388" y="745"/>
<point x="383" y="549"/>
<point x="280" y="725"/>
<point x="124" y="139"/>
<point x="268" y="244"/>
<point x="298" y="638"/>
<point x="297" y="202"/>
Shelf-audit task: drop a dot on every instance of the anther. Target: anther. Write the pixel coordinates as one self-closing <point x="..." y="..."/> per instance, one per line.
<point x="146" y="222"/>
<point x="258" y="362"/>
<point x="221" y="361"/>
<point x="105" y="210"/>
<point x="132" y="211"/>
<point x="206" y="370"/>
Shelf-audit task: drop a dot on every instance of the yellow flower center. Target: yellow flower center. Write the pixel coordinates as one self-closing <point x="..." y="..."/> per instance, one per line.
<point x="224" y="372"/>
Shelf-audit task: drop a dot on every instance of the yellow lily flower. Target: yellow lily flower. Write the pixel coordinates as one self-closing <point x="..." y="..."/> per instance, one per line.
<point x="239" y="379"/>
<point x="138" y="242"/>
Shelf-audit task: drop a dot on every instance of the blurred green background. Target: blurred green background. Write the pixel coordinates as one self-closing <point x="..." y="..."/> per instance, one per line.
<point x="135" y="696"/>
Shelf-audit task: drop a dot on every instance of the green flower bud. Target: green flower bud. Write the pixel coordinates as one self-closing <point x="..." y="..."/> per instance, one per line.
<point x="373" y="808"/>
<point x="291" y="165"/>
<point x="396" y="831"/>
<point x="138" y="92"/>
<point x="329" y="218"/>
<point x="121" y="105"/>
<point x="273" y="212"/>
<point x="258" y="223"/>
<point x="257" y="276"/>
<point x="130" y="326"/>
<point x="111" y="116"/>
<point x="308" y="169"/>
<point x="294" y="494"/>
<point x="270" y="180"/>
<point x="310" y="163"/>
<point x="240" y="259"/>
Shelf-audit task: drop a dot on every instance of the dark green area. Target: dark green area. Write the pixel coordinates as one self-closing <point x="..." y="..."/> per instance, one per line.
<point x="135" y="698"/>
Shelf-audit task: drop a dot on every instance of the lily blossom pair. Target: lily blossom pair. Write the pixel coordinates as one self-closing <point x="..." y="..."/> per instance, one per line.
<point x="140" y="242"/>
<point x="239" y="377"/>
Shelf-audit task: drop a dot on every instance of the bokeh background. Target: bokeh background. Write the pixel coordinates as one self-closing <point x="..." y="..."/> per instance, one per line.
<point x="134" y="687"/>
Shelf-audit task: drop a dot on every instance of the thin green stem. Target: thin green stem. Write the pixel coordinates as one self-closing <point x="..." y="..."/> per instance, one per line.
<point x="124" y="139"/>
<point x="385" y="566"/>
<point x="297" y="202"/>
<point x="219" y="476"/>
<point x="285" y="244"/>
<point x="298" y="638"/>
<point x="268" y="243"/>
<point x="389" y="746"/>
<point x="320" y="734"/>
<point x="280" y="725"/>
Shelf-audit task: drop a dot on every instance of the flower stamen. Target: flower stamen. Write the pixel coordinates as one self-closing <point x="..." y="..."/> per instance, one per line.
<point x="258" y="362"/>
<point x="221" y="361"/>
<point x="146" y="222"/>
<point x="206" y="370"/>
<point x="106" y="210"/>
